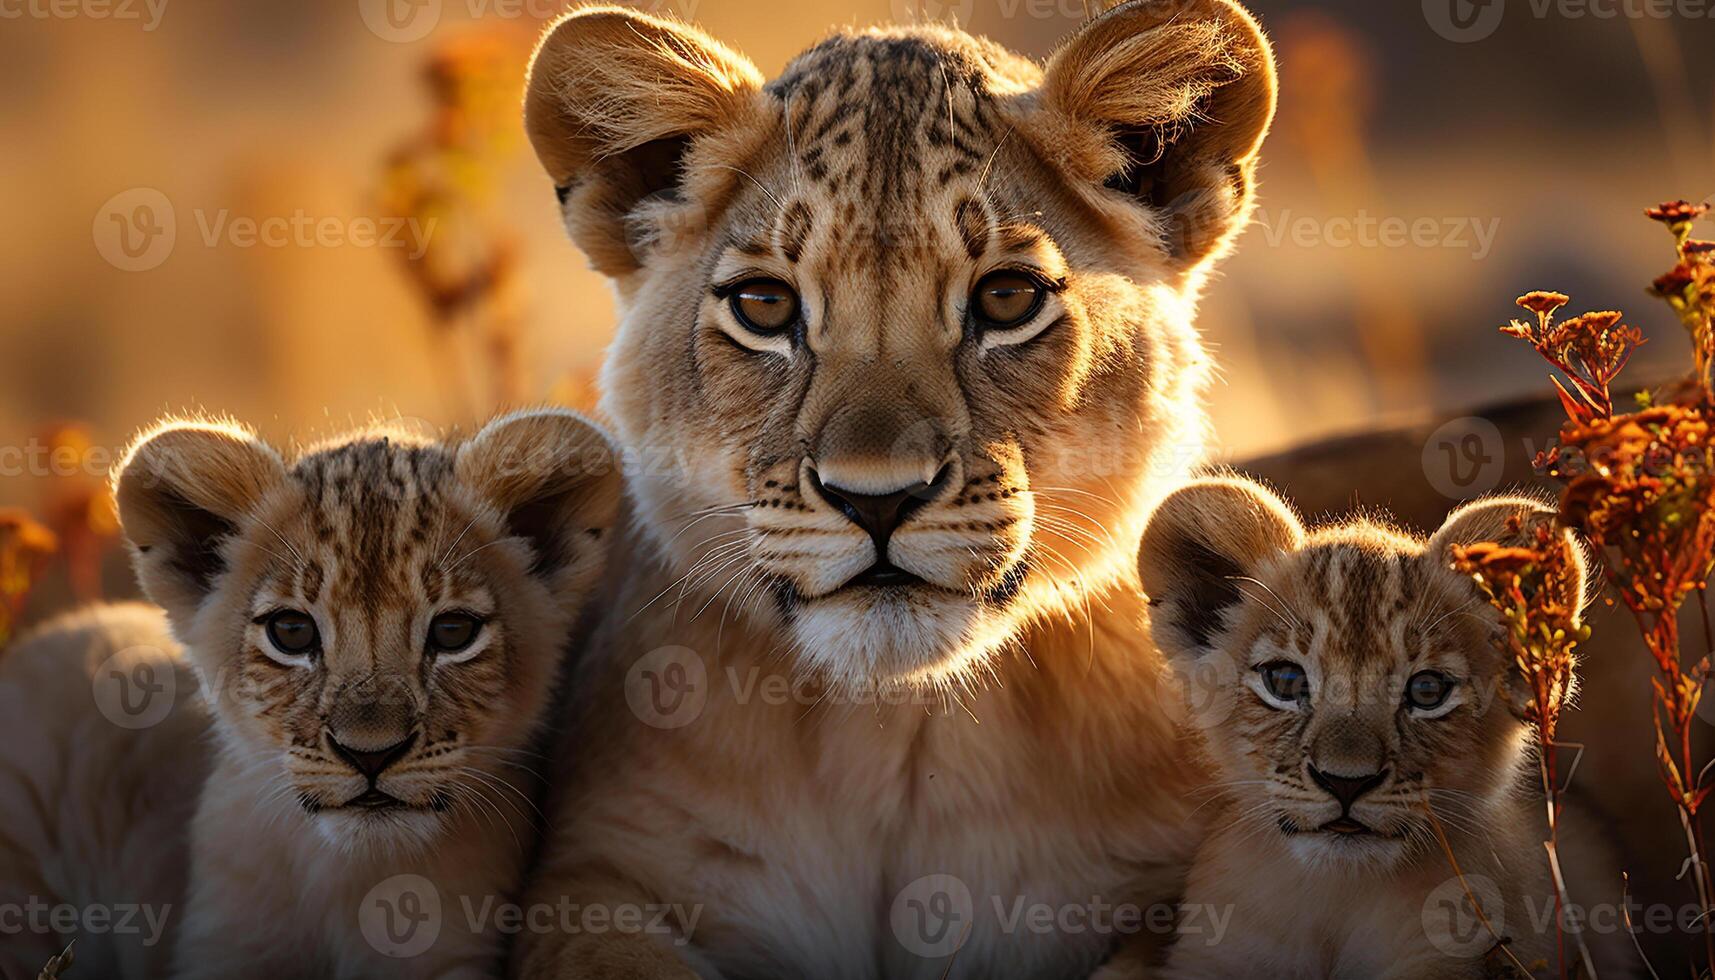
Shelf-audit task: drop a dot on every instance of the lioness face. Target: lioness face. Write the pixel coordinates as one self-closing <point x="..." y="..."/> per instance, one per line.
<point x="1351" y="690"/>
<point x="378" y="624"/>
<point x="905" y="344"/>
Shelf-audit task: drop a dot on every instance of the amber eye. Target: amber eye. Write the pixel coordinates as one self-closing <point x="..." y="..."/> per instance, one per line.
<point x="764" y="306"/>
<point x="293" y="632"/>
<point x="451" y="632"/>
<point x="1006" y="299"/>
<point x="1428" y="689"/>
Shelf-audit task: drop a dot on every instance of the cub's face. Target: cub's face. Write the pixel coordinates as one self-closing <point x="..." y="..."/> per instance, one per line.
<point x="379" y="623"/>
<point x="1348" y="681"/>
<point x="906" y="332"/>
<point x="1369" y="691"/>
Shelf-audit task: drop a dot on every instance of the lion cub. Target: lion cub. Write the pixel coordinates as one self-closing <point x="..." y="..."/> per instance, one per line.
<point x="1343" y="679"/>
<point x="377" y="627"/>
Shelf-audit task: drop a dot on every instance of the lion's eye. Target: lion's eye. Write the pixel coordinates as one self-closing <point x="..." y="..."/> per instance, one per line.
<point x="453" y="631"/>
<point x="764" y="306"/>
<point x="1006" y="299"/>
<point x="293" y="632"/>
<point x="1285" y="680"/>
<point x="1428" y="690"/>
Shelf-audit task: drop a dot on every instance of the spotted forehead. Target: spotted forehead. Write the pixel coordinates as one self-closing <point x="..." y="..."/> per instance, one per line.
<point x="914" y="111"/>
<point x="889" y="118"/>
<point x="1364" y="603"/>
<point x="377" y="513"/>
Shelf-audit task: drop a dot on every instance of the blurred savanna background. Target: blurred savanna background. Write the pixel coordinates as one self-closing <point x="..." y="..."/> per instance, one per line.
<point x="309" y="214"/>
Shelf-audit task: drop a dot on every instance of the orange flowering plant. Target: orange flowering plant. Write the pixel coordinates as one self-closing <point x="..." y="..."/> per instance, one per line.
<point x="25" y="547"/>
<point x="1536" y="587"/>
<point x="1640" y="487"/>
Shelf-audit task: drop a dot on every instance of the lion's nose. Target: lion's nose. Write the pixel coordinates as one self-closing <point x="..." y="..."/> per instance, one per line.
<point x="1346" y="789"/>
<point x="371" y="763"/>
<point x="880" y="514"/>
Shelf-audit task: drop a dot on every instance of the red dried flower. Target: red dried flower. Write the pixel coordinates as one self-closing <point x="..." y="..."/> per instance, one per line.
<point x="1590" y="350"/>
<point x="1542" y="302"/>
<point x="1676" y="212"/>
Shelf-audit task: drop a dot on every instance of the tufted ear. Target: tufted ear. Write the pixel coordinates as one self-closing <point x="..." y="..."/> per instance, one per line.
<point x="1203" y="537"/>
<point x="614" y="101"/>
<point x="1510" y="521"/>
<point x="1167" y="101"/>
<point x="184" y="490"/>
<point x="553" y="476"/>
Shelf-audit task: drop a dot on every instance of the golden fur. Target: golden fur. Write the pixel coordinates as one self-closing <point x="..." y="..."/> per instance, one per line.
<point x="1360" y="609"/>
<point x="372" y="536"/>
<point x="996" y="718"/>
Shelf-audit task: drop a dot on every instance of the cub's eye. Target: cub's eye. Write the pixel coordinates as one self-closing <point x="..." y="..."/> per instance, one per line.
<point x="1006" y="299"/>
<point x="293" y="632"/>
<point x="764" y="306"/>
<point x="1285" y="680"/>
<point x="1428" y="689"/>
<point x="453" y="631"/>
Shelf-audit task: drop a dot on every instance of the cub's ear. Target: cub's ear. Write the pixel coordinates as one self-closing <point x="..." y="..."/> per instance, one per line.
<point x="554" y="477"/>
<point x="1512" y="521"/>
<point x="1167" y="101"/>
<point x="614" y="101"/>
<point x="184" y="490"/>
<point x="1198" y="542"/>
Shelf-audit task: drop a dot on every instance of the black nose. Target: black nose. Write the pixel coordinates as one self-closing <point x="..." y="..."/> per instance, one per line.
<point x="372" y="763"/>
<point x="881" y="514"/>
<point x="1346" y="789"/>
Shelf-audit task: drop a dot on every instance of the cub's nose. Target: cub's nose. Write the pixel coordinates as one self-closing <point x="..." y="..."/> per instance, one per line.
<point x="370" y="763"/>
<point x="881" y="514"/>
<point x="1346" y="789"/>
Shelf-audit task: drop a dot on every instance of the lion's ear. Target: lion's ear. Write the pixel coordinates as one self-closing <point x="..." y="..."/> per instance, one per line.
<point x="184" y="490"/>
<point x="614" y="101"/>
<point x="1199" y="542"/>
<point x="1167" y="101"/>
<point x="554" y="479"/>
<point x="1512" y="521"/>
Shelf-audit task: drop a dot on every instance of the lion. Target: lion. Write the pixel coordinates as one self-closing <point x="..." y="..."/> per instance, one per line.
<point x="1366" y="735"/>
<point x="905" y="357"/>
